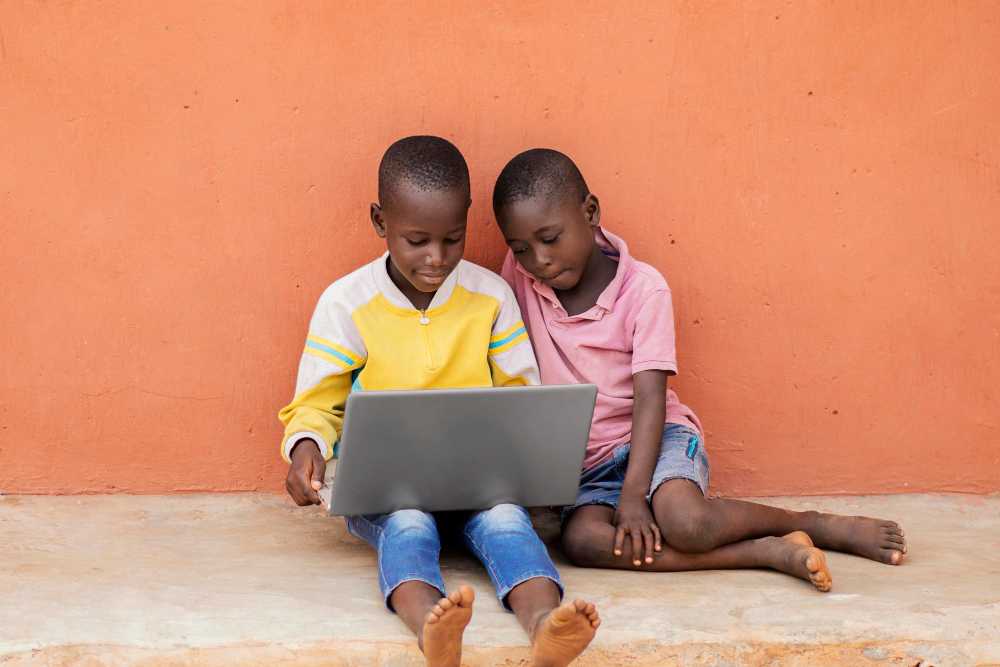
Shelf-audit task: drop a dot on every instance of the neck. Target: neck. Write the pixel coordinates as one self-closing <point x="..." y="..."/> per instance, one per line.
<point x="599" y="273"/>
<point x="420" y="300"/>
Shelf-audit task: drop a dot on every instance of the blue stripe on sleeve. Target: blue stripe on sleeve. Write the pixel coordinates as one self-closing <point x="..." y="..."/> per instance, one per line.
<point x="329" y="350"/>
<point x="504" y="341"/>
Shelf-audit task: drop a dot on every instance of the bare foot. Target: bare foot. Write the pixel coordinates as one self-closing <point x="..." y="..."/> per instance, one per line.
<point x="443" y="628"/>
<point x="876" y="539"/>
<point x="795" y="554"/>
<point x="563" y="634"/>
<point x="800" y="538"/>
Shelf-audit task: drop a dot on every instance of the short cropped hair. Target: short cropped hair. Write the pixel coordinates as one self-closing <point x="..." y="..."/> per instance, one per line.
<point x="539" y="172"/>
<point x="423" y="162"/>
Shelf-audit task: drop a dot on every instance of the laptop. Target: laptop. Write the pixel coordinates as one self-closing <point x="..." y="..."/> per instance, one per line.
<point x="461" y="449"/>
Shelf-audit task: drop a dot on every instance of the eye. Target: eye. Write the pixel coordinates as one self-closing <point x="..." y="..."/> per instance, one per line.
<point x="416" y="243"/>
<point x="551" y="239"/>
<point x="519" y="250"/>
<point x="453" y="241"/>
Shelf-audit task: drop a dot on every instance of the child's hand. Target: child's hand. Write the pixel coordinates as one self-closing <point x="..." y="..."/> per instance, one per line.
<point x="305" y="476"/>
<point x="634" y="518"/>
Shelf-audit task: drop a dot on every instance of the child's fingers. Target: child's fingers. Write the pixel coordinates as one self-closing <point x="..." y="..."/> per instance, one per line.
<point x="311" y="494"/>
<point x="318" y="472"/>
<point x="303" y="491"/>
<point x="636" y="546"/>
<point x="647" y="543"/>
<point x="294" y="487"/>
<point x="657" y="538"/>
<point x="619" y="540"/>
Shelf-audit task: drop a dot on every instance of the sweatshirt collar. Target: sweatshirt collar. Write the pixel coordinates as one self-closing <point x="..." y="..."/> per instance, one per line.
<point x="380" y="272"/>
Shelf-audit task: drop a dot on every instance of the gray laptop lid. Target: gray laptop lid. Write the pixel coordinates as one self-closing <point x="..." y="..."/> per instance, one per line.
<point x="461" y="449"/>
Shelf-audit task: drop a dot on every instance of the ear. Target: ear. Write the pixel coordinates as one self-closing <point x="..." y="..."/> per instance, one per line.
<point x="592" y="210"/>
<point x="377" y="222"/>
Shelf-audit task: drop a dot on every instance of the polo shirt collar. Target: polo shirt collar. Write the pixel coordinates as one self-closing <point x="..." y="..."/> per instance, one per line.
<point x="611" y="245"/>
<point x="614" y="247"/>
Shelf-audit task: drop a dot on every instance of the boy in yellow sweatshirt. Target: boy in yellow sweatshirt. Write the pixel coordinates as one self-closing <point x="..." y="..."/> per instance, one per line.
<point x="421" y="317"/>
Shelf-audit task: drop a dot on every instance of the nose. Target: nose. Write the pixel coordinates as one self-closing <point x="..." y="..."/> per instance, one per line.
<point x="542" y="258"/>
<point x="435" y="255"/>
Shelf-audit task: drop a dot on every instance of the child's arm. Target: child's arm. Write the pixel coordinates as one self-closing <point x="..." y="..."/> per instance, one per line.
<point x="314" y="418"/>
<point x="512" y="361"/>
<point x="653" y="359"/>
<point x="633" y="516"/>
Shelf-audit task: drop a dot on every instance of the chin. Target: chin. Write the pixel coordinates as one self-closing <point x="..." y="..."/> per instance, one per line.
<point x="564" y="282"/>
<point x="424" y="286"/>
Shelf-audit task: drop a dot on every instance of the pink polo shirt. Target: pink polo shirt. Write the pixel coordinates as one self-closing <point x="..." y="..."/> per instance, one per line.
<point x="630" y="329"/>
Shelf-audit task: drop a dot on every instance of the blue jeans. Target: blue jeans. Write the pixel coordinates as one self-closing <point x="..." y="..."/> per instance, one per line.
<point x="409" y="546"/>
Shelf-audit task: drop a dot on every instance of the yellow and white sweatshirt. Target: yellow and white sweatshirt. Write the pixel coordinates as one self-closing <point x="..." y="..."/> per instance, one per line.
<point x="365" y="334"/>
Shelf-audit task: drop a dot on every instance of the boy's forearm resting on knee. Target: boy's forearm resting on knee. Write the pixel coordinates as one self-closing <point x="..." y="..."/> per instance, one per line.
<point x="648" y="414"/>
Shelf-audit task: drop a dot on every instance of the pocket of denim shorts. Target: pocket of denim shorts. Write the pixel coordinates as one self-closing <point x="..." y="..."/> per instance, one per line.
<point x="692" y="447"/>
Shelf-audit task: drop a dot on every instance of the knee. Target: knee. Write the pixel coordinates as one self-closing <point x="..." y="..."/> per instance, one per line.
<point x="690" y="529"/>
<point x="581" y="547"/>
<point x="505" y="517"/>
<point x="410" y="523"/>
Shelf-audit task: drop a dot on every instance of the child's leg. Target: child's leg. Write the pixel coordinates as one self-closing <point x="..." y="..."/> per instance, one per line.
<point x="528" y="584"/>
<point x="692" y="523"/>
<point x="588" y="539"/>
<point x="409" y="548"/>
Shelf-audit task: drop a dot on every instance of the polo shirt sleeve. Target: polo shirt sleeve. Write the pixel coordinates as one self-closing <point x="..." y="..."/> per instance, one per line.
<point x="653" y="346"/>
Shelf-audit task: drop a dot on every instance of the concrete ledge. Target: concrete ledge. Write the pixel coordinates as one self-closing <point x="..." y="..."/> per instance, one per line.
<point x="251" y="579"/>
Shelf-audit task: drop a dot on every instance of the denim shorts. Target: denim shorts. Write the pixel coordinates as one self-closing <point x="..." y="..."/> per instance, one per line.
<point x="682" y="456"/>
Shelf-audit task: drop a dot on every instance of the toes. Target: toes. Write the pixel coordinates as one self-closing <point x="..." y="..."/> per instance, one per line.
<point x="455" y="597"/>
<point x="821" y="581"/>
<point x="580" y="605"/>
<point x="895" y="539"/>
<point x="466" y="595"/>
<point x="893" y="527"/>
<point x="431" y="618"/>
<point x="444" y="604"/>
<point x="891" y="556"/>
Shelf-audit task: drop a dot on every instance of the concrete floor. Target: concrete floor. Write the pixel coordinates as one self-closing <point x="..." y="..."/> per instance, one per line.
<point x="251" y="579"/>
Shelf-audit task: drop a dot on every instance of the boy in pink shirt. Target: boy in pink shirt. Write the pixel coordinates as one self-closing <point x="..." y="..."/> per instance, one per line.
<point x="597" y="315"/>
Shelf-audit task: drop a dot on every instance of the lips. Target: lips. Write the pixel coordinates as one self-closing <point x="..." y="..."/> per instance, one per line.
<point x="553" y="276"/>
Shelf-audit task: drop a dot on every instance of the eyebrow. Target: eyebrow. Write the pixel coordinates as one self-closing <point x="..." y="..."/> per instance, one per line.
<point x="417" y="231"/>
<point x="540" y="230"/>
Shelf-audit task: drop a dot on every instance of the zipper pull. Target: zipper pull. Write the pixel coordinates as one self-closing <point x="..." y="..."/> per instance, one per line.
<point x="423" y="318"/>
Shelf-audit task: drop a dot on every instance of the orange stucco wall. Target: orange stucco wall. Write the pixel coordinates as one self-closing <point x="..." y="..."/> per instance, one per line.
<point x="820" y="183"/>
